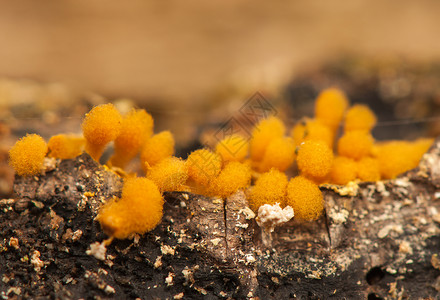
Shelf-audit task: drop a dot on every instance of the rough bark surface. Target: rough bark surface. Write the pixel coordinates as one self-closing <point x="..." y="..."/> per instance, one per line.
<point x="376" y="240"/>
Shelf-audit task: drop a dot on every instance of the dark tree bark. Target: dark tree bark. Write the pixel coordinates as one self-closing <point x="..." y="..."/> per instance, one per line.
<point x="376" y="240"/>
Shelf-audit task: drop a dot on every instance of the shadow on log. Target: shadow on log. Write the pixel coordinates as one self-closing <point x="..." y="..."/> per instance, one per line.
<point x="376" y="241"/>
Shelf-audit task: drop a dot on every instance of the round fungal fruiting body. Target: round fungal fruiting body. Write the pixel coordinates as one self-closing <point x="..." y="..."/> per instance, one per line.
<point x="65" y="146"/>
<point x="359" y="117"/>
<point x="343" y="170"/>
<point x="233" y="148"/>
<point x="312" y="130"/>
<point x="262" y="134"/>
<point x="101" y="126"/>
<point x="170" y="174"/>
<point x="355" y="144"/>
<point x="158" y="147"/>
<point x="397" y="157"/>
<point x="139" y="210"/>
<point x="270" y="188"/>
<point x="27" y="155"/>
<point x="136" y="128"/>
<point x="280" y="154"/>
<point x="368" y="169"/>
<point x="330" y="107"/>
<point x="234" y="176"/>
<point x="305" y="197"/>
<point x="203" y="166"/>
<point x="314" y="159"/>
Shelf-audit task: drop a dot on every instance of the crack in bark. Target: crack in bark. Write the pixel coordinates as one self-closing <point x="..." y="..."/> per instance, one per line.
<point x="225" y="217"/>
<point x="327" y="226"/>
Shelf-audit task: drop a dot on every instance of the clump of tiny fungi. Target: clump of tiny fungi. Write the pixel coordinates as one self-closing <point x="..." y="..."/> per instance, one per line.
<point x="314" y="148"/>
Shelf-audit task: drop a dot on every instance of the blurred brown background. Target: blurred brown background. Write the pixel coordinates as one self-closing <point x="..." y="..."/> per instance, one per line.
<point x="186" y="52"/>
<point x="193" y="64"/>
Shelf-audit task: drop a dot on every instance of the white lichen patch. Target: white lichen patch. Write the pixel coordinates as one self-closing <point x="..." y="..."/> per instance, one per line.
<point x="270" y="216"/>
<point x="158" y="262"/>
<point x="167" y="250"/>
<point x="109" y="290"/>
<point x="36" y="261"/>
<point x="250" y="258"/>
<point x="97" y="250"/>
<point x="338" y="216"/>
<point x="169" y="279"/>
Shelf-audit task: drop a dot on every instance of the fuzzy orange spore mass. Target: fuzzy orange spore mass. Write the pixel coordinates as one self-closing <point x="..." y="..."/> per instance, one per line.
<point x="305" y="197"/>
<point x="234" y="176"/>
<point x="315" y="159"/>
<point x="312" y="130"/>
<point x="270" y="188"/>
<point x="368" y="169"/>
<point x="343" y="170"/>
<point x="355" y="144"/>
<point x="139" y="210"/>
<point x="279" y="154"/>
<point x="396" y="157"/>
<point x="203" y="166"/>
<point x="158" y="147"/>
<point x="233" y="148"/>
<point x="136" y="128"/>
<point x="170" y="174"/>
<point x="330" y="107"/>
<point x="65" y="146"/>
<point x="359" y="117"/>
<point x="263" y="133"/>
<point x="100" y="126"/>
<point x="27" y="155"/>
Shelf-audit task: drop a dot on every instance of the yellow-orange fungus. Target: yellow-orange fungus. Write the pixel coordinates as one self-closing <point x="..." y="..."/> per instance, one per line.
<point x="27" y="155"/>
<point x="314" y="159"/>
<point x="101" y="126"/>
<point x="158" y="147"/>
<point x="270" y="188"/>
<point x="203" y="166"/>
<point x="233" y="148"/>
<point x="355" y="144"/>
<point x="263" y="133"/>
<point x="368" y="169"/>
<point x="234" y="176"/>
<point x="396" y="157"/>
<point x="136" y="128"/>
<point x="65" y="146"/>
<point x="280" y="154"/>
<point x="170" y="174"/>
<point x="139" y="210"/>
<point x="343" y="170"/>
<point x="330" y="107"/>
<point x="305" y="198"/>
<point x="312" y="130"/>
<point x="359" y="117"/>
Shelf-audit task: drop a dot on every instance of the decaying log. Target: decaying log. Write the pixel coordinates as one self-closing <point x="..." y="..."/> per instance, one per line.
<point x="376" y="240"/>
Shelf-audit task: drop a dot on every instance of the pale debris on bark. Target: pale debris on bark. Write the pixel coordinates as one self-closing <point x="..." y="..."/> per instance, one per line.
<point x="270" y="216"/>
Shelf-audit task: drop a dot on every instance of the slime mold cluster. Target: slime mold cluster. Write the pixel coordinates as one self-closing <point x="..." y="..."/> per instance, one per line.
<point x="275" y="166"/>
